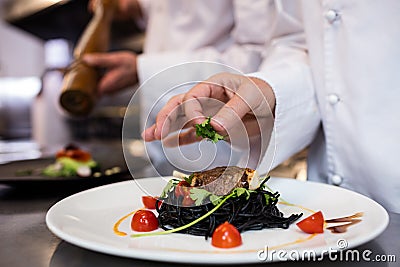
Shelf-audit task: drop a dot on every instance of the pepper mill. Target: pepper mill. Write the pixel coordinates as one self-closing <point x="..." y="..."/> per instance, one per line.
<point x="78" y="93"/>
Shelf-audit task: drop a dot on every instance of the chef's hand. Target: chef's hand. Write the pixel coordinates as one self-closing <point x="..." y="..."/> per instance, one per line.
<point x="126" y="9"/>
<point x="245" y="101"/>
<point x="120" y="70"/>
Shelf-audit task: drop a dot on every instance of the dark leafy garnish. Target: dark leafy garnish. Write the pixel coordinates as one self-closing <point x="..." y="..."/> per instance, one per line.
<point x="205" y="130"/>
<point x="189" y="178"/>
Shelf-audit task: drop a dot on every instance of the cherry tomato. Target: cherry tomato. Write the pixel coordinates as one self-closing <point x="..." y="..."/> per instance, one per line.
<point x="226" y="236"/>
<point x="77" y="154"/>
<point x="181" y="188"/>
<point x="60" y="154"/>
<point x="144" y="221"/>
<point x="312" y="224"/>
<point x="81" y="155"/>
<point x="150" y="202"/>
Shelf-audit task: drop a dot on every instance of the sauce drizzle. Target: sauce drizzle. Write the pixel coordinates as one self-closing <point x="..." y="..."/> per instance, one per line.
<point x="116" y="225"/>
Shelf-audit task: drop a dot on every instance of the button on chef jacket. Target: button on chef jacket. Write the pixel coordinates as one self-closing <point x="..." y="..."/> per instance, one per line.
<point x="339" y="92"/>
<point x="181" y="31"/>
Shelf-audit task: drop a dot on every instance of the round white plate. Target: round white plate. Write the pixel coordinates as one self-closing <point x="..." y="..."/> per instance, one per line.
<point x="86" y="219"/>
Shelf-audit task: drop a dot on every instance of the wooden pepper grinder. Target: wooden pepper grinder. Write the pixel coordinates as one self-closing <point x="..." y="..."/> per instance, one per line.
<point x="78" y="94"/>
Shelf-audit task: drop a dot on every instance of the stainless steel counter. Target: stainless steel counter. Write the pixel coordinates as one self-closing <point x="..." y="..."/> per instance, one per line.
<point x="25" y="240"/>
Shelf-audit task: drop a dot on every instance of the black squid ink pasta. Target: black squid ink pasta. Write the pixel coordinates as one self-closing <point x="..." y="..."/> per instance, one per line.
<point x="255" y="211"/>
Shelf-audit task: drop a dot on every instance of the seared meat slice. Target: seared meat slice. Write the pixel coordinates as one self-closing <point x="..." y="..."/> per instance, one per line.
<point x="222" y="180"/>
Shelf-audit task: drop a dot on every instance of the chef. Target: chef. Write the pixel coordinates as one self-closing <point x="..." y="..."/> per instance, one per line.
<point x="178" y="32"/>
<point x="337" y="94"/>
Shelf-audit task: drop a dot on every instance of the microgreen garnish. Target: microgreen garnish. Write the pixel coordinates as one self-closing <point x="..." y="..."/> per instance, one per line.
<point x="189" y="178"/>
<point x="168" y="188"/>
<point x="205" y="130"/>
<point x="264" y="186"/>
<point x="199" y="195"/>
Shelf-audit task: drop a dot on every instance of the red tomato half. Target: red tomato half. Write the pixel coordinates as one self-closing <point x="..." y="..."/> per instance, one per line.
<point x="313" y="224"/>
<point x="144" y="221"/>
<point x="187" y="200"/>
<point x="226" y="236"/>
<point x="149" y="202"/>
<point x="76" y="154"/>
<point x="181" y="188"/>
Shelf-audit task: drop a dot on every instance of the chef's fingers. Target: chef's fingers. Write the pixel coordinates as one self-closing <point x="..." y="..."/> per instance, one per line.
<point x="100" y="60"/>
<point x="120" y="70"/>
<point x="167" y="116"/>
<point x="117" y="79"/>
<point x="110" y="60"/>
<point x="181" y="139"/>
<point x="169" y="119"/>
<point x="181" y="122"/>
<point x="112" y="81"/>
<point x="192" y="102"/>
<point x="227" y="88"/>
<point x="92" y="5"/>
<point x="129" y="9"/>
<point x="148" y="134"/>
<point x="216" y="88"/>
<point x="230" y="115"/>
<point x="253" y="96"/>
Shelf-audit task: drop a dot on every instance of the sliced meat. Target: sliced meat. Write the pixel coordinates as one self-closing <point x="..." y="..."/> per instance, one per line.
<point x="222" y="180"/>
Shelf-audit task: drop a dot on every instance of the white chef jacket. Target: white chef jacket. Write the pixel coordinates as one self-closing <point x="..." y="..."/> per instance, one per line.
<point x="221" y="31"/>
<point x="342" y="96"/>
<point x="181" y="31"/>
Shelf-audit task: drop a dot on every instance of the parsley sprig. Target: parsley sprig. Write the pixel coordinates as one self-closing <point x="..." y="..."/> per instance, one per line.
<point x="199" y="195"/>
<point x="205" y="130"/>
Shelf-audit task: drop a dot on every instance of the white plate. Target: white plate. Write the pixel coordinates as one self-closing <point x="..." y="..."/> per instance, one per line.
<point x="86" y="219"/>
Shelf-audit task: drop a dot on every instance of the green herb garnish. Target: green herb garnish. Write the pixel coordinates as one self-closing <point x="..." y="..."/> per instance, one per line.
<point x="66" y="167"/>
<point x="264" y="186"/>
<point x="200" y="195"/>
<point x="189" y="178"/>
<point x="168" y="188"/>
<point x="205" y="130"/>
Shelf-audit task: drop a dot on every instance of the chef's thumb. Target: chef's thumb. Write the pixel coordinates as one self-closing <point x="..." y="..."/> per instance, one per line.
<point x="226" y="119"/>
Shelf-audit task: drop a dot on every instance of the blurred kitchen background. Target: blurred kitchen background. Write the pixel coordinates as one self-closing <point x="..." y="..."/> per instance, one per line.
<point x="37" y="40"/>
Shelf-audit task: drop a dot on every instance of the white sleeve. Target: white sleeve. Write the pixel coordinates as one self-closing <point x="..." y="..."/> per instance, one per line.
<point x="145" y="8"/>
<point x="297" y="118"/>
<point x="243" y="51"/>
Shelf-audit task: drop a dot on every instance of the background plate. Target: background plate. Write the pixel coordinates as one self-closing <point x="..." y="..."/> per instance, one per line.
<point x="108" y="156"/>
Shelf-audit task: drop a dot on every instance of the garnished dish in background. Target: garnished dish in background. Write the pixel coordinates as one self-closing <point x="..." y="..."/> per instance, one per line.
<point x="72" y="161"/>
<point x="67" y="164"/>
